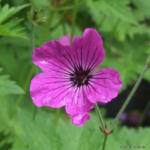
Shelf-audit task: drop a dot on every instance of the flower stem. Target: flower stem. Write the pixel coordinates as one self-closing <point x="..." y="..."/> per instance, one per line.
<point x="35" y="113"/>
<point x="100" y="117"/>
<point x="146" y="67"/>
<point x="74" y="14"/>
<point x="103" y="127"/>
<point x="105" y="141"/>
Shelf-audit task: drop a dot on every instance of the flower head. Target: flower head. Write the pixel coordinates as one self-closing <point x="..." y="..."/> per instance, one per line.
<point x="70" y="77"/>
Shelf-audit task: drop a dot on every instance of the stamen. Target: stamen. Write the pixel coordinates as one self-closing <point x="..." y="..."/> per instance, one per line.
<point x="80" y="77"/>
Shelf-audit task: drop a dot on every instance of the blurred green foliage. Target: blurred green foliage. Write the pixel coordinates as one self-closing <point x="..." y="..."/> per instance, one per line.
<point x="8" y="87"/>
<point x="10" y="27"/>
<point x="53" y="131"/>
<point x="25" y="24"/>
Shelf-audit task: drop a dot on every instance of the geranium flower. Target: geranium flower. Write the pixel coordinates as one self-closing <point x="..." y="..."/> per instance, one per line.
<point x="70" y="76"/>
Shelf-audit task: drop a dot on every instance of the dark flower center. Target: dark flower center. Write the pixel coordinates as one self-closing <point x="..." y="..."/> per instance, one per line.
<point x="80" y="77"/>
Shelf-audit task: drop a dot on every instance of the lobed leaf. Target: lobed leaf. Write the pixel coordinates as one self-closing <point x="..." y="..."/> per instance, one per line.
<point x="8" y="86"/>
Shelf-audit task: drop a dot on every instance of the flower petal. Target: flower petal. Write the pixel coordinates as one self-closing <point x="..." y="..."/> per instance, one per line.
<point x="104" y="86"/>
<point x="88" y="50"/>
<point x="65" y="40"/>
<point x="78" y="103"/>
<point x="52" y="54"/>
<point x="48" y="89"/>
<point x="80" y="119"/>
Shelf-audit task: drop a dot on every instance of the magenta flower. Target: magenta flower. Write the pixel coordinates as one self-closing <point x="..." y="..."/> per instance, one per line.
<point x="71" y="77"/>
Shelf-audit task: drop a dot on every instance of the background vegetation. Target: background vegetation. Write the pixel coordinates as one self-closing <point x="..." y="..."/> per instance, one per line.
<point x="25" y="24"/>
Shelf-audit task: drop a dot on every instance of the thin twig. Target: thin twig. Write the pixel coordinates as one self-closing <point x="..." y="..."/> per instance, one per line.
<point x="102" y="124"/>
<point x="106" y="132"/>
<point x="35" y="112"/>
<point x="146" y="67"/>
<point x="74" y="18"/>
<point x="105" y="141"/>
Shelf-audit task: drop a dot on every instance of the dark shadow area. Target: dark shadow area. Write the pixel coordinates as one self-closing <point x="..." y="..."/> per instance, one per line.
<point x="5" y="143"/>
<point x="138" y="111"/>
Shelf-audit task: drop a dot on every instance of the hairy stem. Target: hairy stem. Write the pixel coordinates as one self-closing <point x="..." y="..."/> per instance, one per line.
<point x="146" y="67"/>
<point x="102" y="124"/>
<point x="74" y="14"/>
<point x="103" y="127"/>
<point x="105" y="141"/>
<point x="35" y="113"/>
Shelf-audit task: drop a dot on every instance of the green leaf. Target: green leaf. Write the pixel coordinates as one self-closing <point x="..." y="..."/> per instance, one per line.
<point x="8" y="26"/>
<point x="114" y="9"/>
<point x="122" y="57"/>
<point x="121" y="18"/>
<point x="143" y="8"/>
<point x="54" y="131"/>
<point x="8" y="86"/>
<point x="126" y="138"/>
<point x="62" y="135"/>
<point x="6" y="12"/>
<point x="12" y="29"/>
